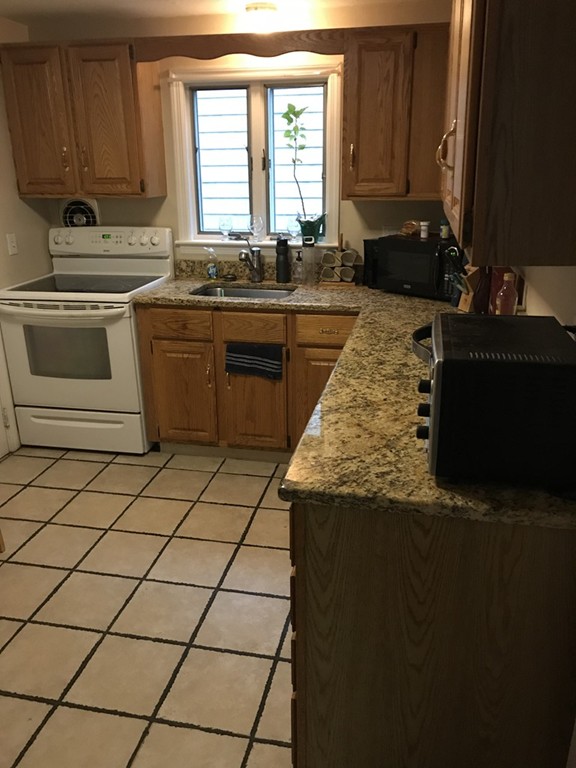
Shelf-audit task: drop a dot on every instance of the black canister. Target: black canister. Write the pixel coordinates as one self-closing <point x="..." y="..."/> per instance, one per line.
<point x="282" y="261"/>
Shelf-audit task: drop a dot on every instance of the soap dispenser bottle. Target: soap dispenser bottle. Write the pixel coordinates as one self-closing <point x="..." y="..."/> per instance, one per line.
<point x="212" y="266"/>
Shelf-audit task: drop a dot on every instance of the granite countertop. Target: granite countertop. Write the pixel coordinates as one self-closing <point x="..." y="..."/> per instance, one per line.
<point x="360" y="448"/>
<point x="318" y="298"/>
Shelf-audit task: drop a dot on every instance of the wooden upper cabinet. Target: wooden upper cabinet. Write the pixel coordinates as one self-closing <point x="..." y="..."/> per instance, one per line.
<point x="509" y="155"/>
<point x="394" y="90"/>
<point x="378" y="83"/>
<point x="103" y="99"/>
<point x="39" y="118"/>
<point x="457" y="150"/>
<point x="84" y="119"/>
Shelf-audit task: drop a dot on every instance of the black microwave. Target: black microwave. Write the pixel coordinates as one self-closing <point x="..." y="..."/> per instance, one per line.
<point x="413" y="266"/>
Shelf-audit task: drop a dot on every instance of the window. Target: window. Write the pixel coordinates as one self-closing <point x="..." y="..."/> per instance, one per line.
<point x="231" y="155"/>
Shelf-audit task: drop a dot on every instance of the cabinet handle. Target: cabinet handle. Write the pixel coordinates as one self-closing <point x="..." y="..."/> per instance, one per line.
<point x="442" y="150"/>
<point x="83" y="159"/>
<point x="333" y="331"/>
<point x="352" y="158"/>
<point x="209" y="376"/>
<point x="65" y="163"/>
<point x="227" y="380"/>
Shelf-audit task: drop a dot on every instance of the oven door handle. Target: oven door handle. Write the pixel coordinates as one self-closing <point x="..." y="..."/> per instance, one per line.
<point x="89" y="316"/>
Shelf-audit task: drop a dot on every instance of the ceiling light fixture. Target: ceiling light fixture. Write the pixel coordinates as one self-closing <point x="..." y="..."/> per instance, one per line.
<point x="261" y="6"/>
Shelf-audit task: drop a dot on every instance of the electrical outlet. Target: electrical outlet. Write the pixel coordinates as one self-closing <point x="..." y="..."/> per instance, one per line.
<point x="12" y="244"/>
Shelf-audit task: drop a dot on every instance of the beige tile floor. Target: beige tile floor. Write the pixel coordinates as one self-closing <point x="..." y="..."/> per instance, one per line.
<point x="143" y="612"/>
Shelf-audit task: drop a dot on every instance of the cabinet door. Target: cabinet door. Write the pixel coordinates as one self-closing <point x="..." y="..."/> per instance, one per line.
<point x="39" y="120"/>
<point x="184" y="390"/>
<point x="106" y="118"/>
<point x="253" y="411"/>
<point x="312" y="369"/>
<point x="376" y="129"/>
<point x="457" y="151"/>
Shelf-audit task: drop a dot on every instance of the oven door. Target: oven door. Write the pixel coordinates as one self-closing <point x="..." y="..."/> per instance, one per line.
<point x="64" y="355"/>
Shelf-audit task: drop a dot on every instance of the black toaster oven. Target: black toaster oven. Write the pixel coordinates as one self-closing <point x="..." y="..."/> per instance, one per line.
<point x="500" y="398"/>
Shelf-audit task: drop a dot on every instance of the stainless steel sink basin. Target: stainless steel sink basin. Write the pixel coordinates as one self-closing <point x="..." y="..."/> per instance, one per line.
<point x="232" y="292"/>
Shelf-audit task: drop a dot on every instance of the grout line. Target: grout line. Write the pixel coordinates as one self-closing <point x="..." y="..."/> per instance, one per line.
<point x="266" y="692"/>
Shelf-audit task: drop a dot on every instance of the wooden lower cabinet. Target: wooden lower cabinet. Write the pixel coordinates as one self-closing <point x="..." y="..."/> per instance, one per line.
<point x="189" y="397"/>
<point x="431" y="642"/>
<point x="252" y="410"/>
<point x="178" y="374"/>
<point x="183" y="377"/>
<point x="316" y="346"/>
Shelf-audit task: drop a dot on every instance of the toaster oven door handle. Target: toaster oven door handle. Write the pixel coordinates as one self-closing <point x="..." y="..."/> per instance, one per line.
<point x="422" y="350"/>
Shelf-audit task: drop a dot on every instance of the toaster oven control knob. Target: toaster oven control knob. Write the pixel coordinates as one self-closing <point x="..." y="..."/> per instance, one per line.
<point x="425" y="386"/>
<point x="155" y="240"/>
<point x="57" y="238"/>
<point x="144" y="239"/>
<point x="132" y="239"/>
<point x="69" y="239"/>
<point x="422" y="433"/>
<point x="424" y="409"/>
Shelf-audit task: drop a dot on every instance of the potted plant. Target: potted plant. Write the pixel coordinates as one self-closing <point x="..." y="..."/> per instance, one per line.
<point x="310" y="226"/>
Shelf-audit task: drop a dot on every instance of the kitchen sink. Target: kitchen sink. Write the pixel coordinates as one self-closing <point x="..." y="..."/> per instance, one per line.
<point x="232" y="292"/>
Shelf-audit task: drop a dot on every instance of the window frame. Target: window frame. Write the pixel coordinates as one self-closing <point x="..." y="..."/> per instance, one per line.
<point x="180" y="83"/>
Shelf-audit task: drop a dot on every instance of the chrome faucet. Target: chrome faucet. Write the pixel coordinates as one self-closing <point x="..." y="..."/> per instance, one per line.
<point x="253" y="260"/>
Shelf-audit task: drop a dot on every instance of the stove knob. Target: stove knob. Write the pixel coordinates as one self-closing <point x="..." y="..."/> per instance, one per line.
<point x="144" y="240"/>
<point x="425" y="386"/>
<point x="57" y="238"/>
<point x="422" y="433"/>
<point x="424" y="409"/>
<point x="155" y="240"/>
<point x="69" y="239"/>
<point x="132" y="240"/>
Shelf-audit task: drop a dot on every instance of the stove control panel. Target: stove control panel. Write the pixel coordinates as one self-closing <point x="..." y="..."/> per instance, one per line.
<point x="111" y="241"/>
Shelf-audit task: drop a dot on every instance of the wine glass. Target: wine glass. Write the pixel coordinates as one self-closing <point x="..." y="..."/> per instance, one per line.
<point x="225" y="225"/>
<point x="293" y="229"/>
<point x="256" y="227"/>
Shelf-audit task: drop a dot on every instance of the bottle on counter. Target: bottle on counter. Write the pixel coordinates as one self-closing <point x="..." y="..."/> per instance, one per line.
<point x="297" y="268"/>
<point x="282" y="261"/>
<point x="507" y="296"/>
<point x="308" y="261"/>
<point x="444" y="229"/>
<point x="212" y="266"/>
<point x="424" y="230"/>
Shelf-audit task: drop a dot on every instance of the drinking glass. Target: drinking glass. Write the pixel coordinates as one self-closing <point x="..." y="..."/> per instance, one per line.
<point x="256" y="227"/>
<point x="225" y="225"/>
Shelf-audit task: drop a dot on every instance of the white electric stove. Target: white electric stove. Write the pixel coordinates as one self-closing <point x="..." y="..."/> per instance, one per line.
<point x="70" y="338"/>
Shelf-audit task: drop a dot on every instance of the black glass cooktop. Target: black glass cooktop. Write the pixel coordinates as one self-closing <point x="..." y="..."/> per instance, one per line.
<point x="86" y="283"/>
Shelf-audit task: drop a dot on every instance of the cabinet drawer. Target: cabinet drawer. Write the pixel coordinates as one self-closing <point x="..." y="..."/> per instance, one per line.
<point x="254" y="327"/>
<point x="324" y="330"/>
<point x="181" y="324"/>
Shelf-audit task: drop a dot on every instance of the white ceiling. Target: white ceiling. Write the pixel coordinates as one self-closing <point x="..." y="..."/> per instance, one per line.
<point x="28" y="11"/>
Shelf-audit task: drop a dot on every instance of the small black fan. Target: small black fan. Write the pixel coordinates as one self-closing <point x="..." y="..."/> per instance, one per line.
<point x="79" y="212"/>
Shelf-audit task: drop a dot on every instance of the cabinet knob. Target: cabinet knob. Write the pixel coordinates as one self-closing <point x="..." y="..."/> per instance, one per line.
<point x="352" y="158"/>
<point x="65" y="161"/>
